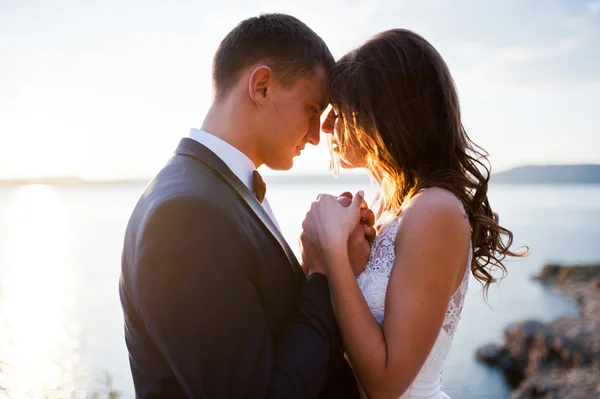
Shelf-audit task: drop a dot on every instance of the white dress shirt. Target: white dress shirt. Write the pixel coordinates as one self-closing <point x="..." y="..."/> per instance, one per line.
<point x="237" y="161"/>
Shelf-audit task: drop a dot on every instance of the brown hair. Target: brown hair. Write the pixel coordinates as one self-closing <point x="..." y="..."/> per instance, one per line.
<point x="281" y="41"/>
<point x="398" y="105"/>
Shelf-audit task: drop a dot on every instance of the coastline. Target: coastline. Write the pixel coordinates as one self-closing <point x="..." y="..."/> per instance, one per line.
<point x="561" y="358"/>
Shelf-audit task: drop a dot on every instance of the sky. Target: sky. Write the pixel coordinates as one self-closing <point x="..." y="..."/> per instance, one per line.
<point x="105" y="89"/>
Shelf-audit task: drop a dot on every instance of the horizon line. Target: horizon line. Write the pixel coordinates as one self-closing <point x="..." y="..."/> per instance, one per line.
<point x="269" y="174"/>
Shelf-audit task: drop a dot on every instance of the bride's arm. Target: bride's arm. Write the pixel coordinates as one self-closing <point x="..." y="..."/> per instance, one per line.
<point x="431" y="254"/>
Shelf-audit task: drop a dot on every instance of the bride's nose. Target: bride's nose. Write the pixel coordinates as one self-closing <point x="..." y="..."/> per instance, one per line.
<point x="328" y="125"/>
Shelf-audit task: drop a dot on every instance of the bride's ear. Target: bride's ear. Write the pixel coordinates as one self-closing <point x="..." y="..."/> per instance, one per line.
<point x="259" y="84"/>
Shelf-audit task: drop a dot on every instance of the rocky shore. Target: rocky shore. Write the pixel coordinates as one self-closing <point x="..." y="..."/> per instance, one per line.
<point x="560" y="359"/>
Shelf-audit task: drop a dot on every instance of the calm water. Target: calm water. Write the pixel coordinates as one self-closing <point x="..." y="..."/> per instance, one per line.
<point x="60" y="317"/>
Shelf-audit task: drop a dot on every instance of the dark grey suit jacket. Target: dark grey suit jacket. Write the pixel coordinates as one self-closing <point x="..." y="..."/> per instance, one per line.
<point x="215" y="303"/>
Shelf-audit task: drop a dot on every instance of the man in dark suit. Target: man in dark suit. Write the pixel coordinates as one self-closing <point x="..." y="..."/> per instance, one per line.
<point x="215" y="303"/>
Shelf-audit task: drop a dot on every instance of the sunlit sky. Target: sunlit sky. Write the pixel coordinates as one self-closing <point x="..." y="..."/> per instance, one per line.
<point x="106" y="89"/>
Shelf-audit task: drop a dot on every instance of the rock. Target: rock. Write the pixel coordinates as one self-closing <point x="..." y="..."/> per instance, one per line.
<point x="594" y="286"/>
<point x="491" y="354"/>
<point x="560" y="359"/>
<point x="558" y="383"/>
<point x="499" y="356"/>
<point x="557" y="274"/>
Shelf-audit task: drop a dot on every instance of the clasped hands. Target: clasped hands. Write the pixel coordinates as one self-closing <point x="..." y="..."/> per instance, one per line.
<point x="343" y="223"/>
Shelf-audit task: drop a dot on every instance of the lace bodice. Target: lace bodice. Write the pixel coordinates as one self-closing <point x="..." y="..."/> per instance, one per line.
<point x="373" y="283"/>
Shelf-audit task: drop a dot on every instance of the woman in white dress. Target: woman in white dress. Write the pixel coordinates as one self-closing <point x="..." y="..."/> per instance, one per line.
<point x="395" y="111"/>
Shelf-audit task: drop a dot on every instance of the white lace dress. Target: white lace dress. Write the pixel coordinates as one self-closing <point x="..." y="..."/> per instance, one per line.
<point x="373" y="283"/>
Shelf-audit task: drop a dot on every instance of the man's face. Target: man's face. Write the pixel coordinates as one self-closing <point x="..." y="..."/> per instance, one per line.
<point x="293" y="119"/>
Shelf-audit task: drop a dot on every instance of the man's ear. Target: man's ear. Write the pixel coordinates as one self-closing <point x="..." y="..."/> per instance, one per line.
<point x="260" y="83"/>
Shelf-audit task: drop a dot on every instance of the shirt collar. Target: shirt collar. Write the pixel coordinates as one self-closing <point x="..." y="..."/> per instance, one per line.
<point x="237" y="161"/>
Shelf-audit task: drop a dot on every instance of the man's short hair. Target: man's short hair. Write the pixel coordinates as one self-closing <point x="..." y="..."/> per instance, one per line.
<point x="284" y="43"/>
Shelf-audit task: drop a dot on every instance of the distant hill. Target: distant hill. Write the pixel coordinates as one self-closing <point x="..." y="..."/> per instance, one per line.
<point x="549" y="174"/>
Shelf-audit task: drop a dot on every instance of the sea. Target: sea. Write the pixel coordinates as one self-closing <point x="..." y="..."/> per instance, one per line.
<point x="61" y="327"/>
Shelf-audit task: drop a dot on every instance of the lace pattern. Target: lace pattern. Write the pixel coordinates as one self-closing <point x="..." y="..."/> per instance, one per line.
<point x="373" y="283"/>
<point x="374" y="279"/>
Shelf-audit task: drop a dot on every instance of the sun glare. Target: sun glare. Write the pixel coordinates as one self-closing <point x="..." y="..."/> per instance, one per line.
<point x="36" y="297"/>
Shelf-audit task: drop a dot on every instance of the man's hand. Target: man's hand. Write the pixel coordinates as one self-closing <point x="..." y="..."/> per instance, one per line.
<point x="310" y="261"/>
<point x="359" y="242"/>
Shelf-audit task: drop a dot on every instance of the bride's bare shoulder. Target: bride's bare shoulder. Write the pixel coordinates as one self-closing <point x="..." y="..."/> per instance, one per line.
<point x="438" y="207"/>
<point x="435" y="199"/>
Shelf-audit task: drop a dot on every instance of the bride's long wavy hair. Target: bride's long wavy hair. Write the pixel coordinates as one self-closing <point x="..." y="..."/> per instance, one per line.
<point x="399" y="107"/>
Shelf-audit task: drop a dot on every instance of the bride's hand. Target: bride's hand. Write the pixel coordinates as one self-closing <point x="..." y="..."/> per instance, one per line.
<point x="328" y="224"/>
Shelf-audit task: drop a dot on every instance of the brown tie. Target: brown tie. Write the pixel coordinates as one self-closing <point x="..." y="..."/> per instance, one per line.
<point x="260" y="188"/>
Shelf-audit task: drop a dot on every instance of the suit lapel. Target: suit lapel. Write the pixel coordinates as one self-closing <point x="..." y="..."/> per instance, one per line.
<point x="192" y="148"/>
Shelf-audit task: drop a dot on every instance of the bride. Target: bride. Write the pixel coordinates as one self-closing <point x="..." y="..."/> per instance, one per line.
<point x="395" y="112"/>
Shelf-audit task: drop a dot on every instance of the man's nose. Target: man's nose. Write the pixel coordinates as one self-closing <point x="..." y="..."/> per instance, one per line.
<point x="314" y="132"/>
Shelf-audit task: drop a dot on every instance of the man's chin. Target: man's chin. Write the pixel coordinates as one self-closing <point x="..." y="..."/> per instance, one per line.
<point x="280" y="165"/>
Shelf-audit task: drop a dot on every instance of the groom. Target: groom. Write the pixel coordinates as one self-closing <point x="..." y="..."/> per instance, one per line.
<point x="215" y="303"/>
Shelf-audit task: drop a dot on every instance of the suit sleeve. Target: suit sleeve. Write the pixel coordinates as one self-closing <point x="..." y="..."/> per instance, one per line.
<point x="200" y="304"/>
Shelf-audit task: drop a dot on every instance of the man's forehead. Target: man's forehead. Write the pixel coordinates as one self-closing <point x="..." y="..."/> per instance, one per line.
<point x="323" y="101"/>
<point x="319" y="88"/>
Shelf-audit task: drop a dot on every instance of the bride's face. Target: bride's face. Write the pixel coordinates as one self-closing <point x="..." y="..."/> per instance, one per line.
<point x="351" y="157"/>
